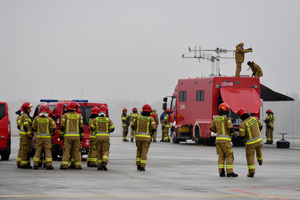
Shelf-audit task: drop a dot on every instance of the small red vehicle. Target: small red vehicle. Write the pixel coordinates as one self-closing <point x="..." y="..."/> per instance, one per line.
<point x="5" y="132"/>
<point x="58" y="107"/>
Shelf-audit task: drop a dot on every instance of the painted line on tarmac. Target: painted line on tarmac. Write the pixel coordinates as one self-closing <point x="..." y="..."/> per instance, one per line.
<point x="268" y="196"/>
<point x="249" y="194"/>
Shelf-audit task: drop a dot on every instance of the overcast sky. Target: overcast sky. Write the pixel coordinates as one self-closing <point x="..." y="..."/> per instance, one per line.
<point x="131" y="50"/>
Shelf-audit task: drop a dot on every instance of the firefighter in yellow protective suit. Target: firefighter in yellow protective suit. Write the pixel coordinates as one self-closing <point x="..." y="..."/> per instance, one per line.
<point x="240" y="57"/>
<point x="256" y="70"/>
<point x="144" y="125"/>
<point x="26" y="135"/>
<point x="125" y="123"/>
<point x="269" y="121"/>
<point x="71" y="131"/>
<point x="19" y="113"/>
<point x="155" y="117"/>
<point x="92" y="156"/>
<point x="133" y="116"/>
<point x="103" y="126"/>
<point x="250" y="133"/>
<point x="223" y="127"/>
<point x="44" y="127"/>
<point x="162" y="116"/>
<point x="166" y="126"/>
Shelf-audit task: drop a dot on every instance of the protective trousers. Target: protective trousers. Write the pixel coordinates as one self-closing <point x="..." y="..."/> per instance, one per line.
<point x="166" y="134"/>
<point x="224" y="151"/>
<point x="25" y="150"/>
<point x="125" y="132"/>
<point x="142" y="144"/>
<point x="102" y="149"/>
<point x="132" y="133"/>
<point x="73" y="154"/>
<point x="92" y="156"/>
<point x="269" y="135"/>
<point x="40" y="145"/>
<point x="250" y="150"/>
<point x="68" y="145"/>
<point x="154" y="135"/>
<point x="238" y="69"/>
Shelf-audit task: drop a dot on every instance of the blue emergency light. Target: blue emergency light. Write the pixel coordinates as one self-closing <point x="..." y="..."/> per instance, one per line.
<point x="56" y="100"/>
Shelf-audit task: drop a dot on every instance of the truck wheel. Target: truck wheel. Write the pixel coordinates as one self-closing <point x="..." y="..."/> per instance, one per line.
<point x="197" y="136"/>
<point x="174" y="139"/>
<point x="5" y="155"/>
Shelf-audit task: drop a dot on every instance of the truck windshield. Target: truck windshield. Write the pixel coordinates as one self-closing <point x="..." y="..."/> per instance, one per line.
<point x="2" y="111"/>
<point x="86" y="113"/>
<point x="173" y="103"/>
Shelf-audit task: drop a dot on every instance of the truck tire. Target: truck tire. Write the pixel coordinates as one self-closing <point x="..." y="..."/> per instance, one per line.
<point x="5" y="155"/>
<point x="197" y="136"/>
<point x="174" y="139"/>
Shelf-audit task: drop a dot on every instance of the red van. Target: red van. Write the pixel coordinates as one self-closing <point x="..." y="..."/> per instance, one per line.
<point x="58" y="107"/>
<point x="5" y="131"/>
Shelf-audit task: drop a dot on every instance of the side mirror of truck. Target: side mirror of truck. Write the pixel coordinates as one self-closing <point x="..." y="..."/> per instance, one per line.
<point x="164" y="106"/>
<point x="165" y="99"/>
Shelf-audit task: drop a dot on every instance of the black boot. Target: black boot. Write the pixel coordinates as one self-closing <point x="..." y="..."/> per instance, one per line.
<point x="138" y="167"/>
<point x="71" y="167"/>
<point x="35" y="167"/>
<point x="142" y="169"/>
<point x="250" y="175"/>
<point x="232" y="175"/>
<point x="88" y="164"/>
<point x="26" y="167"/>
<point x="49" y="167"/>
<point x="63" y="168"/>
<point x="104" y="166"/>
<point x="222" y="174"/>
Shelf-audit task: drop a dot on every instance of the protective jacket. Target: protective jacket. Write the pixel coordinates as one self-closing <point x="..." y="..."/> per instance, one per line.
<point x="73" y="125"/>
<point x="256" y="70"/>
<point x="239" y="53"/>
<point x="221" y="125"/>
<point x="250" y="129"/>
<point x="270" y="121"/>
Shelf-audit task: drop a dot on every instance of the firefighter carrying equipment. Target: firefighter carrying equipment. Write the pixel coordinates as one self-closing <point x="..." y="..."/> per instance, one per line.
<point x="250" y="131"/>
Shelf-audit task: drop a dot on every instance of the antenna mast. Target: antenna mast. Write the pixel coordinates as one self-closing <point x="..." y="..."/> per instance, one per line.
<point x="214" y="59"/>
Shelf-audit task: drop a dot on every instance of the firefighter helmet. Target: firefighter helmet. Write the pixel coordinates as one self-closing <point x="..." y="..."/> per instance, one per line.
<point x="73" y="105"/>
<point x="241" y="111"/>
<point x="146" y="108"/>
<point x="168" y="110"/>
<point x="268" y="111"/>
<point x="67" y="108"/>
<point x="78" y="111"/>
<point x="26" y="106"/>
<point x="44" y="109"/>
<point x="103" y="110"/>
<point x="224" y="107"/>
<point x="95" y="110"/>
<point x="124" y="109"/>
<point x="134" y="109"/>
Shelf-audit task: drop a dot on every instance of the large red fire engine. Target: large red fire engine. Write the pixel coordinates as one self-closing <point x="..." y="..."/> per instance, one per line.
<point x="58" y="107"/>
<point x="5" y="132"/>
<point x="195" y="102"/>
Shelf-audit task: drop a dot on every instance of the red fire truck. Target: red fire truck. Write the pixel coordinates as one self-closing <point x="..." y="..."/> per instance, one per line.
<point x="195" y="103"/>
<point x="5" y="131"/>
<point x="58" y="107"/>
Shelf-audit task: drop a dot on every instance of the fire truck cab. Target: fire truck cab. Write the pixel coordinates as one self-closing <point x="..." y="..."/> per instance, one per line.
<point x="5" y="132"/>
<point x="195" y="103"/>
<point x="58" y="107"/>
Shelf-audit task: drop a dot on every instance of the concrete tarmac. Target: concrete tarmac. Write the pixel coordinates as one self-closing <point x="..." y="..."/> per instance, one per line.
<point x="173" y="171"/>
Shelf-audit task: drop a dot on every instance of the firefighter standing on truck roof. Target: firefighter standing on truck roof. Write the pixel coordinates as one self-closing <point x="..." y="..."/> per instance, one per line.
<point x="256" y="70"/>
<point x="144" y="125"/>
<point x="133" y="116"/>
<point x="103" y="126"/>
<point x="155" y="117"/>
<point x="269" y="121"/>
<point x="26" y="135"/>
<point x="162" y="116"/>
<point x="239" y="57"/>
<point x="92" y="156"/>
<point x="250" y="132"/>
<point x="222" y="126"/>
<point x="19" y="113"/>
<point x="72" y="132"/>
<point x="125" y="123"/>
<point x="167" y="126"/>
<point x="44" y="127"/>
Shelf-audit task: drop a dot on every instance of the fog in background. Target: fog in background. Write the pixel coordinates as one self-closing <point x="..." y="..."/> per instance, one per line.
<point x="128" y="53"/>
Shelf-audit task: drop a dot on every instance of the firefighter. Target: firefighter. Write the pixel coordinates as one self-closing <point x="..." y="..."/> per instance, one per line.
<point x="26" y="135"/>
<point x="162" y="116"/>
<point x="250" y="133"/>
<point x="256" y="70"/>
<point x="125" y="123"/>
<point x="155" y="117"/>
<point x="45" y="127"/>
<point x="92" y="156"/>
<point x="71" y="131"/>
<point x="269" y="121"/>
<point x="223" y="127"/>
<point x="166" y="126"/>
<point x="133" y="116"/>
<point x="239" y="57"/>
<point x="19" y="113"/>
<point x="103" y="126"/>
<point x="144" y="125"/>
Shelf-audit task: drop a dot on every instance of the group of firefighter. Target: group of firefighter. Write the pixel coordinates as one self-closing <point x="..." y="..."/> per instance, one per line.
<point x="143" y="125"/>
<point x="249" y="132"/>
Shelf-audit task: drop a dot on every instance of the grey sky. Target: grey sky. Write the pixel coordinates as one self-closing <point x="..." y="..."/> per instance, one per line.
<point x="131" y="50"/>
